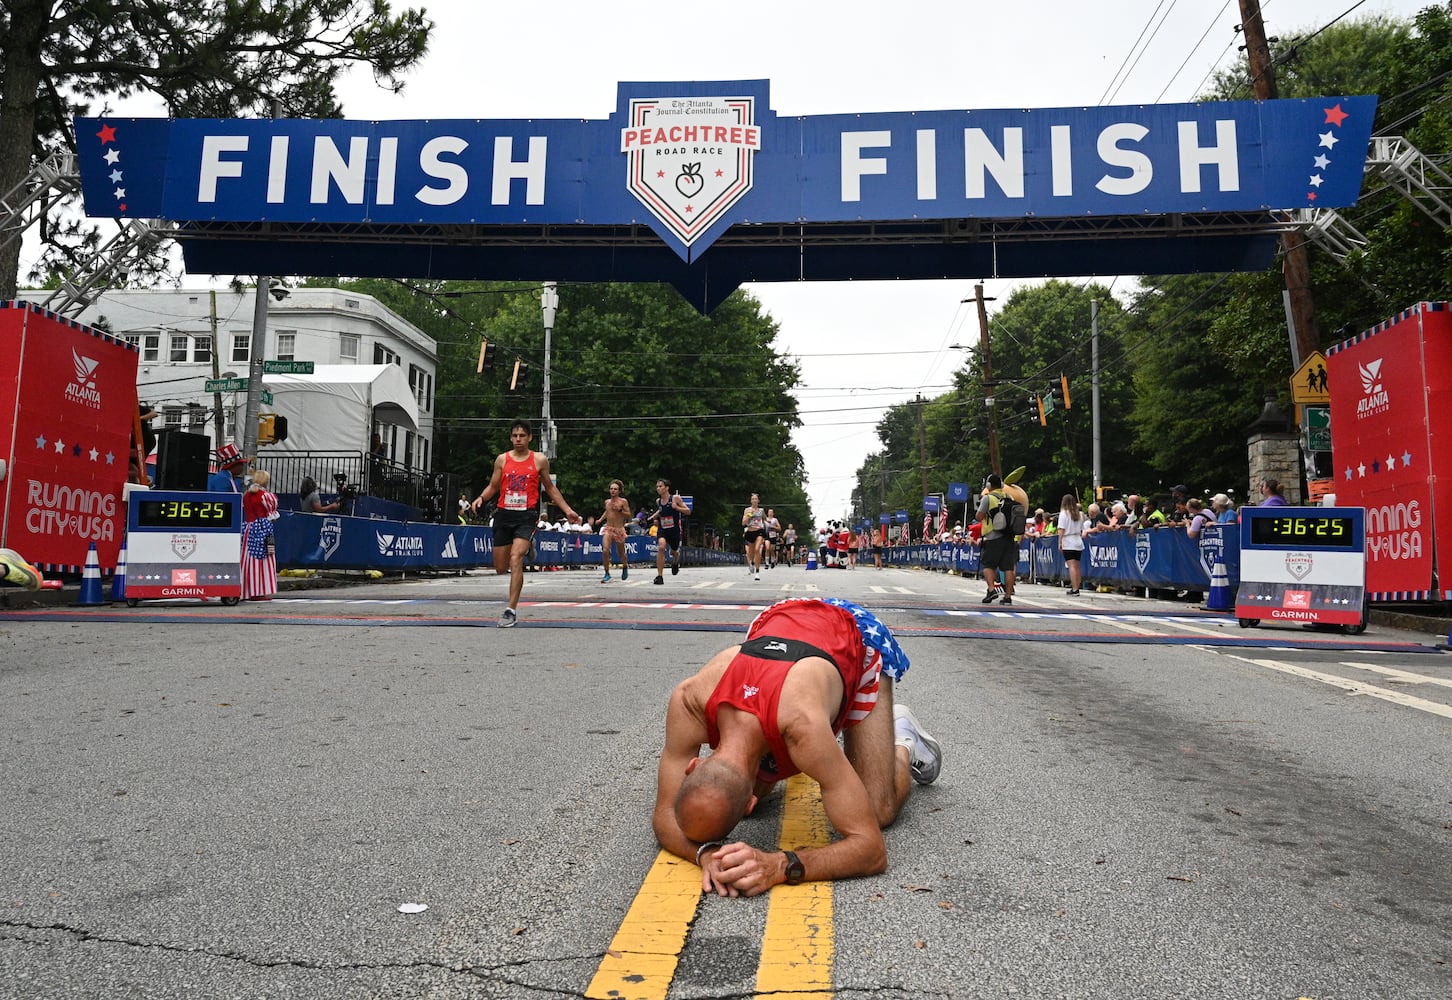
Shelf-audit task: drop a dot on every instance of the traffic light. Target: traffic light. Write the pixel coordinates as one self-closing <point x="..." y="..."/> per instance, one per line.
<point x="486" y="357"/>
<point x="1064" y="382"/>
<point x="271" y="428"/>
<point x="1043" y="415"/>
<point x="520" y="378"/>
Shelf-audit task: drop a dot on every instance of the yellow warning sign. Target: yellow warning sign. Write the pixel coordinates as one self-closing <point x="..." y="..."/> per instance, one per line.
<point x="1308" y="385"/>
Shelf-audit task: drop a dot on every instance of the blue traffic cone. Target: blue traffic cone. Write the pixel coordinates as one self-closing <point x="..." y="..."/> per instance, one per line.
<point x="811" y="558"/>
<point x="118" y="578"/>
<point x="1219" y="597"/>
<point x="91" y="593"/>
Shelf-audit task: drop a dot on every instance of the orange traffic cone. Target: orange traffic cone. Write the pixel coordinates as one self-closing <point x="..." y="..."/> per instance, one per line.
<point x="91" y="593"/>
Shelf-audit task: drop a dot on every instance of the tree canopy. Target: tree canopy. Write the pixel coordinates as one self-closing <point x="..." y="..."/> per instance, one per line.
<point x="642" y="387"/>
<point x="201" y="58"/>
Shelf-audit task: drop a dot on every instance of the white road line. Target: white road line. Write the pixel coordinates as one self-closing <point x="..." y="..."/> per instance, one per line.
<point x="1405" y="676"/>
<point x="1352" y="687"/>
<point x="1195" y="629"/>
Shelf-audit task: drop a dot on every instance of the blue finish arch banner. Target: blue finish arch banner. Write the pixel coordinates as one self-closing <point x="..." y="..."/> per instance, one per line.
<point x="691" y="160"/>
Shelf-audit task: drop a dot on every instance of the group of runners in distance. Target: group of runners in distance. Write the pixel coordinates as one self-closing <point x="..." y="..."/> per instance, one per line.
<point x="522" y="474"/>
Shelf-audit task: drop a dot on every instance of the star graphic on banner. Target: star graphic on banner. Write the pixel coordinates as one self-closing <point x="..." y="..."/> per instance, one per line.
<point x="95" y="454"/>
<point x="1328" y="140"/>
<point x="112" y="155"/>
<point x="1348" y="473"/>
<point x="1375" y="466"/>
<point x="1361" y="470"/>
<point x="1406" y="459"/>
<point x="1310" y="195"/>
<point x="1391" y="463"/>
<point x="1335" y="116"/>
<point x="120" y="193"/>
<point x="1315" y="180"/>
<point x="115" y="177"/>
<point x="107" y="134"/>
<point x="76" y="449"/>
<point x="40" y="441"/>
<point x="60" y="446"/>
<point x="110" y="458"/>
<point x="1322" y="162"/>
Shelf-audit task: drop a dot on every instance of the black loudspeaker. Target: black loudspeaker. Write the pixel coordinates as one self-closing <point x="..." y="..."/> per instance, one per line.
<point x="181" y="461"/>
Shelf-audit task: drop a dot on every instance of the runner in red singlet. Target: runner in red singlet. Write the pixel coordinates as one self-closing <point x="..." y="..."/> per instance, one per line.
<point x="772" y="707"/>
<point x="519" y="474"/>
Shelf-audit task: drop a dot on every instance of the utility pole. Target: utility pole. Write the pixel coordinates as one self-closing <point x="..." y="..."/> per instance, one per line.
<point x="922" y="449"/>
<point x="1305" y="335"/>
<point x="219" y="419"/>
<point x="986" y="360"/>
<point x="1098" y="461"/>
<point x="549" y="301"/>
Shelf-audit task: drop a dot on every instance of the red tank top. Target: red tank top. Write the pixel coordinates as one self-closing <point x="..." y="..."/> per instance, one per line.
<point x="519" y="487"/>
<point x="754" y="685"/>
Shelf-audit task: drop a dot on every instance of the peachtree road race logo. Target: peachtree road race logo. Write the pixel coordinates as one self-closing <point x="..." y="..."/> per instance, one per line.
<point x="689" y="159"/>
<point x="184" y="545"/>
<point x="1141" y="551"/>
<point x="82" y="389"/>
<point x="1375" y="399"/>
<point x="1299" y="564"/>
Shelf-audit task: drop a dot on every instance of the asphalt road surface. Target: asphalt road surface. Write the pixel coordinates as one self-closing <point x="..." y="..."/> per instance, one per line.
<point x="1138" y="800"/>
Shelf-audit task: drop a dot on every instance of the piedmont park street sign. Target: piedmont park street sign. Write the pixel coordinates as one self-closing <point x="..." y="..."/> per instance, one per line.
<point x="287" y="367"/>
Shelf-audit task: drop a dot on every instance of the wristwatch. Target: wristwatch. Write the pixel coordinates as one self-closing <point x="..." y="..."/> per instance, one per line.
<point x="796" y="872"/>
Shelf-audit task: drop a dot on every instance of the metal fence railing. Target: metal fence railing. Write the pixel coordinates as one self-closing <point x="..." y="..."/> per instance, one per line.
<point x="433" y="494"/>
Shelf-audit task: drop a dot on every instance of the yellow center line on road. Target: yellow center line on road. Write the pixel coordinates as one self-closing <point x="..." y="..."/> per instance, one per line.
<point x="797" y="946"/>
<point x="641" y="961"/>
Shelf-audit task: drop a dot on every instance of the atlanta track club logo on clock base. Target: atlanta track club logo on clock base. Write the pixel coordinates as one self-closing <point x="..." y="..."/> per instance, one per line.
<point x="690" y="159"/>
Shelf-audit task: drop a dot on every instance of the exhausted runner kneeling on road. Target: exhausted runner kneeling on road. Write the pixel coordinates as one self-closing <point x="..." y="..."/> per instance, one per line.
<point x="771" y="708"/>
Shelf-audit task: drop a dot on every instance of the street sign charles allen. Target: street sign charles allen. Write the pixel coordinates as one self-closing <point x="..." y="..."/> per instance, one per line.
<point x="690" y="159"/>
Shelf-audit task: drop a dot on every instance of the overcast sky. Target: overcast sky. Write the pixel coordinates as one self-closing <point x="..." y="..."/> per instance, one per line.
<point x="863" y="346"/>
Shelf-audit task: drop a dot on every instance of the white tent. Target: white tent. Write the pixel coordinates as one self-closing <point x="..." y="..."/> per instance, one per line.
<point x="334" y="408"/>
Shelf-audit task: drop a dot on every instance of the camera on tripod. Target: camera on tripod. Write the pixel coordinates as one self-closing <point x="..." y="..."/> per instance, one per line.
<point x="346" y="490"/>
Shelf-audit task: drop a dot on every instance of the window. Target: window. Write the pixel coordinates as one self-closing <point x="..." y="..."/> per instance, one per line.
<point x="151" y="347"/>
<point x="348" y="348"/>
<point x="179" y="345"/>
<point x="196" y="415"/>
<point x="134" y="339"/>
<point x="286" y="345"/>
<point x="383" y="356"/>
<point x="422" y="384"/>
<point x="242" y="347"/>
<point x="171" y="417"/>
<point x="202" y="349"/>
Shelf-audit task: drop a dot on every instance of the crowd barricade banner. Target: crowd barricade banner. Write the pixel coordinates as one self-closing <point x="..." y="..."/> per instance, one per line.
<point x="1158" y="558"/>
<point x="332" y="541"/>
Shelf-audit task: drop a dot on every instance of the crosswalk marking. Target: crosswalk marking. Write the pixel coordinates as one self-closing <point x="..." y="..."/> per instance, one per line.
<point x="1352" y="687"/>
<point x="1404" y="676"/>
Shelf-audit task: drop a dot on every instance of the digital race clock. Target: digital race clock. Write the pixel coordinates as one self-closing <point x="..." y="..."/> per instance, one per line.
<point x="1304" y="530"/>
<point x="189" y="513"/>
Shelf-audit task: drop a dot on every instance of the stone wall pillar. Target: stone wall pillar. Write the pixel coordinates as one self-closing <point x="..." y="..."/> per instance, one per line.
<point x="1275" y="453"/>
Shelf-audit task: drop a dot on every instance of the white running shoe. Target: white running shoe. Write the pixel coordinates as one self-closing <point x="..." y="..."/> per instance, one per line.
<point x="926" y="753"/>
<point x="509" y="619"/>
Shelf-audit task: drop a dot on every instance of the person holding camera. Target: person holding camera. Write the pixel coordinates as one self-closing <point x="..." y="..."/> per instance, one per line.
<point x="312" y="500"/>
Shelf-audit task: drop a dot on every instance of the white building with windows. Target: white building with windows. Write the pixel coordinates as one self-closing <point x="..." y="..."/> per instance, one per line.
<point x="186" y="337"/>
